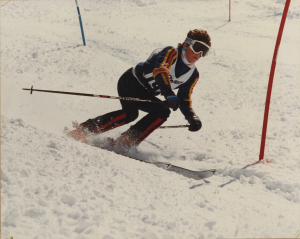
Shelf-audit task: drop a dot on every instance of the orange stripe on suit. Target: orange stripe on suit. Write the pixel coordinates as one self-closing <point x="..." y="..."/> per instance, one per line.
<point x="167" y="58"/>
<point x="166" y="78"/>
<point x="160" y="70"/>
<point x="191" y="91"/>
<point x="172" y="57"/>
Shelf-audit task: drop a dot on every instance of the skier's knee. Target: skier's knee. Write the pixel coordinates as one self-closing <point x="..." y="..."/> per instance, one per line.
<point x="131" y="115"/>
<point x="164" y="113"/>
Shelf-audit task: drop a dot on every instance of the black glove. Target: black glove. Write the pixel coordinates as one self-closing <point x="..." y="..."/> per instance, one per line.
<point x="195" y="123"/>
<point x="172" y="101"/>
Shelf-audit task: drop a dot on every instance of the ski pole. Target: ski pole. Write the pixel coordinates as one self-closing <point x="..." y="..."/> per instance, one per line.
<point x="174" y="126"/>
<point x="93" y="95"/>
<point x="80" y="22"/>
<point x="75" y="125"/>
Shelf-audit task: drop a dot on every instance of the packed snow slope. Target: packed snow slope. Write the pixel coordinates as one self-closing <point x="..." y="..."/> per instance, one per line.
<point x="55" y="187"/>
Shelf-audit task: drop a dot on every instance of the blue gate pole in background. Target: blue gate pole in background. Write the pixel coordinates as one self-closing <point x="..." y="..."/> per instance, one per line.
<point x="80" y="23"/>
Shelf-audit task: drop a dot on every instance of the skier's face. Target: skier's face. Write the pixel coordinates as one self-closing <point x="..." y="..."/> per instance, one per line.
<point x="191" y="56"/>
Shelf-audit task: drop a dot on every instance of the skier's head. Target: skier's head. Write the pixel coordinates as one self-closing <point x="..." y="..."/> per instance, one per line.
<point x="196" y="45"/>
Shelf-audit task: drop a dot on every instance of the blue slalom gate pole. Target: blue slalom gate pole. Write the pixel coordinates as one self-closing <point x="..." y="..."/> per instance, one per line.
<point x="80" y="22"/>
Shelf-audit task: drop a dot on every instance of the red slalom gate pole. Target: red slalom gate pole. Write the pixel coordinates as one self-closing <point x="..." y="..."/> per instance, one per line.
<point x="269" y="91"/>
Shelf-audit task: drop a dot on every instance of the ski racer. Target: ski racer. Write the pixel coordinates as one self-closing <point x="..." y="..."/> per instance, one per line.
<point x="164" y="71"/>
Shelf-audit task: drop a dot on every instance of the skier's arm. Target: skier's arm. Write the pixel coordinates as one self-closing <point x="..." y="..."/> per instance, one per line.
<point x="185" y="94"/>
<point x="163" y="64"/>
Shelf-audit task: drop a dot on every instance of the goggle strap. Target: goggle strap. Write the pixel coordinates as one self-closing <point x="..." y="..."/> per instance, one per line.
<point x="192" y="42"/>
<point x="189" y="41"/>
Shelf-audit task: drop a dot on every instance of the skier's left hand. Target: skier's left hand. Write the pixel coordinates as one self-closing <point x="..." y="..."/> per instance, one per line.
<point x="195" y="123"/>
<point x="173" y="102"/>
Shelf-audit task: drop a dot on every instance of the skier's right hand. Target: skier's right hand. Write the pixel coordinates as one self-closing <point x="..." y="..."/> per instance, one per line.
<point x="173" y="102"/>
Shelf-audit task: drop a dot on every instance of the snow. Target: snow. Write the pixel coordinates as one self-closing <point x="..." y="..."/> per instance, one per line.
<point x="55" y="187"/>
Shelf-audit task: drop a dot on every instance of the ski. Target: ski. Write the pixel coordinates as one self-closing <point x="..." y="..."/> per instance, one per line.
<point x="197" y="175"/>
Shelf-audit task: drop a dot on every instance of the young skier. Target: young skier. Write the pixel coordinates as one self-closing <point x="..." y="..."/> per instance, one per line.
<point x="165" y="70"/>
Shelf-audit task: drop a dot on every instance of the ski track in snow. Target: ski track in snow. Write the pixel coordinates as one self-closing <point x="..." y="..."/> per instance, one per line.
<point x="55" y="187"/>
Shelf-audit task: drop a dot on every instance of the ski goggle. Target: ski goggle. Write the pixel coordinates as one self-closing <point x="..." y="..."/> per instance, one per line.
<point x="198" y="46"/>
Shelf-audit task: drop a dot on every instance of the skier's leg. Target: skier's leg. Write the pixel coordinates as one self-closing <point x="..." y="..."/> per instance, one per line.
<point x="109" y="121"/>
<point x="103" y="123"/>
<point x="128" y="86"/>
<point x="143" y="128"/>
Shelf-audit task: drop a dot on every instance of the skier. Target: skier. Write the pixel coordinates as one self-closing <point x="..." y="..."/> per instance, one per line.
<point x="165" y="70"/>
